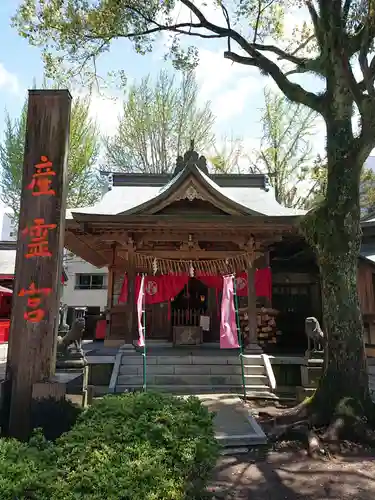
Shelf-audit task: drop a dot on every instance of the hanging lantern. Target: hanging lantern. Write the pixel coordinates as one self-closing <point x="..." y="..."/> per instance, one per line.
<point x="203" y="298"/>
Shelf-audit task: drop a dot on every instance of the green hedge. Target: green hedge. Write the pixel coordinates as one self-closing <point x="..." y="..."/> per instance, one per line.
<point x="141" y="446"/>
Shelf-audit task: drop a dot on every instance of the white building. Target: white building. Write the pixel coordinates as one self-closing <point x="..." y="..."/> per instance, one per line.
<point x="8" y="231"/>
<point x="86" y="286"/>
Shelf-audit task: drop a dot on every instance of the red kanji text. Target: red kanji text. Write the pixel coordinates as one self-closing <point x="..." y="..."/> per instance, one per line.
<point x="42" y="178"/>
<point x="35" y="312"/>
<point x="38" y="244"/>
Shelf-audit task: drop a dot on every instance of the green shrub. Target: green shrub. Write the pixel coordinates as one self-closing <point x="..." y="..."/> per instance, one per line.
<point x="54" y="417"/>
<point x="26" y="469"/>
<point x="140" y="446"/>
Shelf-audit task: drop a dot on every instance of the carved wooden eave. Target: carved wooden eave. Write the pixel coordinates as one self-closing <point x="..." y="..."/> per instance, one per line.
<point x="91" y="236"/>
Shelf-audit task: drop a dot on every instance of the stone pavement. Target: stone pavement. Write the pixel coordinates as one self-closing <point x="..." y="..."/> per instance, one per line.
<point x="234" y="424"/>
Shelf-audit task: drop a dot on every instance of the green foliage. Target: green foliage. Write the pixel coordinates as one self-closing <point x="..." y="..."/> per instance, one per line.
<point x="226" y="158"/>
<point x="159" y="120"/>
<point x="141" y="446"/>
<point x="83" y="181"/>
<point x="286" y="149"/>
<point x="319" y="187"/>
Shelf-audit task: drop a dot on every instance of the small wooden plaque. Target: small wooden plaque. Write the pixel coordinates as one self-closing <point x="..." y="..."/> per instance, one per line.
<point x="187" y="335"/>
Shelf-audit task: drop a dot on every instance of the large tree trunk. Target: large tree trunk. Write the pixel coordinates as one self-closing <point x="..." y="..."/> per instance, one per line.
<point x="334" y="231"/>
<point x="345" y="379"/>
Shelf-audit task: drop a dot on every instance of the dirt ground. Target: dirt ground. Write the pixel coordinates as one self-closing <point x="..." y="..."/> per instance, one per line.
<point x="290" y="474"/>
<point x="286" y="472"/>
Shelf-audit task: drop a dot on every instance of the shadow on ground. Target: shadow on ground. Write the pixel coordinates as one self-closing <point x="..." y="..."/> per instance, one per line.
<point x="293" y="475"/>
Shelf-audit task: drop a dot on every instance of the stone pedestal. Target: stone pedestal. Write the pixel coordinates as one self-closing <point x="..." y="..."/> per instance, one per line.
<point x="253" y="348"/>
<point x="75" y="380"/>
<point x="311" y="372"/>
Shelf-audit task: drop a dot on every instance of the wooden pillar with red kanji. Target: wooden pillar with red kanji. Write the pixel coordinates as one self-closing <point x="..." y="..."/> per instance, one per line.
<point x="34" y="321"/>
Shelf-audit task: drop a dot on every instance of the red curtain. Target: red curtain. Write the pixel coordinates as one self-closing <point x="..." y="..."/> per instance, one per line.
<point x="165" y="287"/>
<point x="263" y="283"/>
<point x="161" y="288"/>
<point x="214" y="281"/>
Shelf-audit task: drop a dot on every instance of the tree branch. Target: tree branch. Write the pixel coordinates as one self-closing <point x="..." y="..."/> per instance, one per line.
<point x="315" y="20"/>
<point x="292" y="90"/>
<point x="368" y="71"/>
<point x="279" y="52"/>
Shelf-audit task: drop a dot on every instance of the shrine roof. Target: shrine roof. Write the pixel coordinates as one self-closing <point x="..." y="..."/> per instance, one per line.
<point x="129" y="194"/>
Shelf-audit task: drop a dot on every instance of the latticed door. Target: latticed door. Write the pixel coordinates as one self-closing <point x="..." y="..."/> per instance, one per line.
<point x="294" y="301"/>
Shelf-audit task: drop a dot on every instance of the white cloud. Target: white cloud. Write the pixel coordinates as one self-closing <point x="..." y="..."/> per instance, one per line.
<point x="106" y="110"/>
<point x="233" y="102"/>
<point x="227" y="85"/>
<point x="8" y="81"/>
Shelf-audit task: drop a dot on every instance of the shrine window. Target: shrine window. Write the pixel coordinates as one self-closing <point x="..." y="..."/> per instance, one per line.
<point x="91" y="282"/>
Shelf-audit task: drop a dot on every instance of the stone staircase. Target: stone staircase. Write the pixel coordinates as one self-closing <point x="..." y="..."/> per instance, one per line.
<point x="193" y="371"/>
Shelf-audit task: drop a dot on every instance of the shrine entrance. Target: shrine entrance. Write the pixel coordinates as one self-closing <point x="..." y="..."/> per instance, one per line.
<point x="190" y="309"/>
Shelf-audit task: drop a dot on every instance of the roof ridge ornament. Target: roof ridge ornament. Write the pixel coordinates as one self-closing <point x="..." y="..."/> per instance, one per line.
<point x="191" y="158"/>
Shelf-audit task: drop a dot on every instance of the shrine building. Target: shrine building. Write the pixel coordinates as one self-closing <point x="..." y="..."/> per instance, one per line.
<point x="184" y="231"/>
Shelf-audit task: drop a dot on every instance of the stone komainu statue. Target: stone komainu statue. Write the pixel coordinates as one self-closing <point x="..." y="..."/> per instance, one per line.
<point x="72" y="338"/>
<point x="314" y="334"/>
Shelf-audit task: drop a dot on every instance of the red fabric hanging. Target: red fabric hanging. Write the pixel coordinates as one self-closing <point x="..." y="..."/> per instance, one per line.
<point x="162" y="288"/>
<point x="241" y="285"/>
<point x="214" y="281"/>
<point x="165" y="287"/>
<point x="263" y="283"/>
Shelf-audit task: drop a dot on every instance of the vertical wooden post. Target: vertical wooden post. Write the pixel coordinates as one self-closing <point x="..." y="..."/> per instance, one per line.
<point x="267" y="263"/>
<point x="111" y="284"/>
<point x="110" y="290"/>
<point x="253" y="345"/>
<point x="34" y="321"/>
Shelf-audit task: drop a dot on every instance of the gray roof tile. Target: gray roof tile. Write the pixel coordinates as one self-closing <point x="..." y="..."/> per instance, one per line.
<point x="121" y="199"/>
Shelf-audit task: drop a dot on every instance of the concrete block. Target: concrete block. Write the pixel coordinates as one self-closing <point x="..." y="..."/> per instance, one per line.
<point x="209" y="360"/>
<point x="131" y="359"/>
<point x="233" y="360"/>
<point x="49" y="389"/>
<point x="192" y="369"/>
<point x="220" y="380"/>
<point x="225" y="370"/>
<point x="160" y="369"/>
<point x="133" y="381"/>
<point x="174" y="360"/>
<point x="130" y="369"/>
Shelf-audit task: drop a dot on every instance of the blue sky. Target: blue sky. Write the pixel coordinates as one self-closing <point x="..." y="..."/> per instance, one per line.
<point x="236" y="92"/>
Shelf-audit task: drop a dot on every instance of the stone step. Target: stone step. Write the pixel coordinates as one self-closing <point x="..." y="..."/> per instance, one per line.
<point x="186" y="359"/>
<point x="175" y="379"/>
<point x="261" y="392"/>
<point x="252" y="359"/>
<point x="191" y="369"/>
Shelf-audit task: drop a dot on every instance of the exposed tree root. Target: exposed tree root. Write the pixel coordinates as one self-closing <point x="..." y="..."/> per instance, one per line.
<point x="322" y="427"/>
